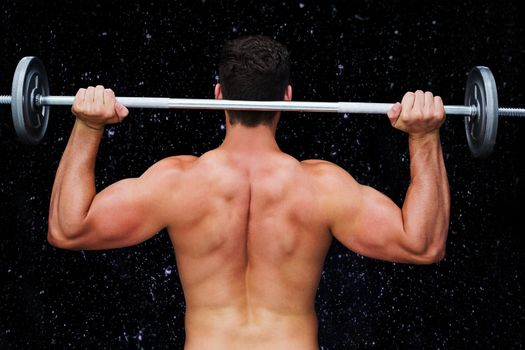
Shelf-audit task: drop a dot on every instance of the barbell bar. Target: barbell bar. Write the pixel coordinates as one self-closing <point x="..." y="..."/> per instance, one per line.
<point x="30" y="101"/>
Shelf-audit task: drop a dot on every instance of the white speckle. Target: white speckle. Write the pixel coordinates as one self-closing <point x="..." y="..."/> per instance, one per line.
<point x="140" y="335"/>
<point x="222" y="126"/>
<point x="340" y="68"/>
<point x="360" y="18"/>
<point x="301" y="5"/>
<point x="148" y="36"/>
<point x="167" y="271"/>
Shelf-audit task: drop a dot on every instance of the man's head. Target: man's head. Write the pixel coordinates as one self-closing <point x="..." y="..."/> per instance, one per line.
<point x="254" y="68"/>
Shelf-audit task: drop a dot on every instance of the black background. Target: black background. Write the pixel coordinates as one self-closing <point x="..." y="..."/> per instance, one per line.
<point x="341" y="51"/>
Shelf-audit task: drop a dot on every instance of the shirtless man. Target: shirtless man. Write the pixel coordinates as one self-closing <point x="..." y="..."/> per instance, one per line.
<point x="251" y="225"/>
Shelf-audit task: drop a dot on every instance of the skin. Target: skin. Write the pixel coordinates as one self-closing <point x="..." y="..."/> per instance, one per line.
<point x="251" y="225"/>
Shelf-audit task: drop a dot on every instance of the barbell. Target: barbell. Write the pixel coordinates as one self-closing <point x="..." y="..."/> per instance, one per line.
<point x="30" y="102"/>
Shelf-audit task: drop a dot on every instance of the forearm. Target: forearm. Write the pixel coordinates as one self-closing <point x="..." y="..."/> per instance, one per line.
<point x="427" y="204"/>
<point x="74" y="186"/>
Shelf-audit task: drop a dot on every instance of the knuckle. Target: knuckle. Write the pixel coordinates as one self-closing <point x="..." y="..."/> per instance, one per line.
<point x="97" y="110"/>
<point x="417" y="114"/>
<point x="409" y="93"/>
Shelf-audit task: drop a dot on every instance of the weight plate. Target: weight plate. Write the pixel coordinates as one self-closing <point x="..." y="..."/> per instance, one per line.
<point x="30" y="120"/>
<point x="481" y="129"/>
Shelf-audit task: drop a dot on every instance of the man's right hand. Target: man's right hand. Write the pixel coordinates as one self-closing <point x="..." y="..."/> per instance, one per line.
<point x="96" y="107"/>
<point x="418" y="114"/>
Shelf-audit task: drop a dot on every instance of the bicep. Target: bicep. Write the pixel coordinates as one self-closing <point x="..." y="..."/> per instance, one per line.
<point x="368" y="222"/>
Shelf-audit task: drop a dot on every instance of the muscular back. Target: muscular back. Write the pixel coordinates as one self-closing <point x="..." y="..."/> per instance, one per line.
<point x="251" y="228"/>
<point x="250" y="244"/>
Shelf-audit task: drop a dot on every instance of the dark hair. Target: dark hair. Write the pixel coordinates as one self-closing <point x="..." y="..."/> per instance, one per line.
<point x="254" y="68"/>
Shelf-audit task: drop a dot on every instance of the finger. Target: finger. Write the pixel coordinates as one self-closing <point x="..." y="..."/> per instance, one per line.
<point x="109" y="100"/>
<point x="121" y="110"/>
<point x="428" y="109"/>
<point x="79" y="100"/>
<point x="90" y="94"/>
<point x="419" y="101"/>
<point x="429" y="100"/>
<point x="109" y="96"/>
<point x="80" y="96"/>
<point x="407" y="103"/>
<point x="438" y="104"/>
<point x="394" y="112"/>
<point x="439" y="109"/>
<point x="408" y="99"/>
<point x="99" y="94"/>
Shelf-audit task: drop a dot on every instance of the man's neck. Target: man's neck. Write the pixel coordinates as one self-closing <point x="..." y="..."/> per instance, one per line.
<point x="243" y="139"/>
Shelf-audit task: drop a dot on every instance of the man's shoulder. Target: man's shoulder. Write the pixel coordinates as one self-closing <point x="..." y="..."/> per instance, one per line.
<point x="178" y="161"/>
<point x="320" y="167"/>
<point x="328" y="174"/>
<point x="171" y="165"/>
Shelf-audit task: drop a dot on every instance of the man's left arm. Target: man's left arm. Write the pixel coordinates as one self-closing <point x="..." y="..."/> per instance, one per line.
<point x="125" y="213"/>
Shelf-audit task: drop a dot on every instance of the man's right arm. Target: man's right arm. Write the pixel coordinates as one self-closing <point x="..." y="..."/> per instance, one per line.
<point x="371" y="224"/>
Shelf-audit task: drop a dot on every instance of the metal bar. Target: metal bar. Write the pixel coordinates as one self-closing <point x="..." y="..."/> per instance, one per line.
<point x="131" y="102"/>
<point x="511" y="112"/>
<point x="298" y="106"/>
<point x="5" y="100"/>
